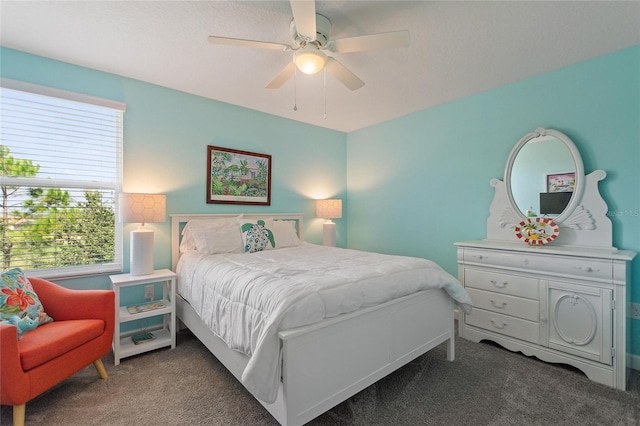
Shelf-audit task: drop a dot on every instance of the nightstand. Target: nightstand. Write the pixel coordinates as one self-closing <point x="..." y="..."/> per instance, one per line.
<point x="165" y="335"/>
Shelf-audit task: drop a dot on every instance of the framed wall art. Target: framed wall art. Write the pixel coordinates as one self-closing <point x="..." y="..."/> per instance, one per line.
<point x="561" y="182"/>
<point x="238" y="177"/>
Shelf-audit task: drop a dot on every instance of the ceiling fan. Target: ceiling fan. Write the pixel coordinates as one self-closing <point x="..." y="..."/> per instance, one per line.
<point x="311" y="38"/>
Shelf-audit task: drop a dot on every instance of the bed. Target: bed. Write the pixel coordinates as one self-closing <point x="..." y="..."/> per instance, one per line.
<point x="315" y="344"/>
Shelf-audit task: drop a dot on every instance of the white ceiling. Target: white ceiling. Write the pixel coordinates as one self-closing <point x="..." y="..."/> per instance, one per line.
<point x="457" y="48"/>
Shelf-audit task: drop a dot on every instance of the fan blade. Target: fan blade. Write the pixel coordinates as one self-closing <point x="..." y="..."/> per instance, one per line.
<point x="248" y="43"/>
<point x="343" y="75"/>
<point x="282" y="76"/>
<point x="304" y="15"/>
<point x="370" y="42"/>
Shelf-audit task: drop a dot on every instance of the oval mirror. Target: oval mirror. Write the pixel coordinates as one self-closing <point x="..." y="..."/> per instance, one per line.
<point x="544" y="175"/>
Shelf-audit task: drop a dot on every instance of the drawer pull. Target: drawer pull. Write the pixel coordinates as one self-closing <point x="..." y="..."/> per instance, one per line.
<point x="499" y="285"/>
<point x="587" y="269"/>
<point x="500" y="305"/>
<point x="498" y="326"/>
<point x="479" y="256"/>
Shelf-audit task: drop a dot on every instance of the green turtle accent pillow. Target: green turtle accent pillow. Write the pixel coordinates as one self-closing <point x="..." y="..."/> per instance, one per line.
<point x="256" y="236"/>
<point x="19" y="303"/>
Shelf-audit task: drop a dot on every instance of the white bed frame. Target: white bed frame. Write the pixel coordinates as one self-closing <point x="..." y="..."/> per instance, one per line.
<point x="325" y="363"/>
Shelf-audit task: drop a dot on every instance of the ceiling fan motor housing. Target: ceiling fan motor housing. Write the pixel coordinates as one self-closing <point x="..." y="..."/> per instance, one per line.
<point x="323" y="31"/>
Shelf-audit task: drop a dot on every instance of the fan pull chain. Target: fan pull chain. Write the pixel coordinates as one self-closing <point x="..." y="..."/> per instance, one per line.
<point x="295" y="89"/>
<point x="325" y="93"/>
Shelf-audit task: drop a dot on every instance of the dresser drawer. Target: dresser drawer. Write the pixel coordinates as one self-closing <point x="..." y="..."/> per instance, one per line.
<point x="491" y="257"/>
<point x="579" y="267"/>
<point x="496" y="282"/>
<point x="504" y="324"/>
<point x="572" y="266"/>
<point x="509" y="305"/>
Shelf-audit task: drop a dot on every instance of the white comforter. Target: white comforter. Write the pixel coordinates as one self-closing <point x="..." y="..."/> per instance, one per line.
<point x="247" y="298"/>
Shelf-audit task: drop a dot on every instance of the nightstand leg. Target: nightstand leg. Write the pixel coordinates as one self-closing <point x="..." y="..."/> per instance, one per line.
<point x="116" y="329"/>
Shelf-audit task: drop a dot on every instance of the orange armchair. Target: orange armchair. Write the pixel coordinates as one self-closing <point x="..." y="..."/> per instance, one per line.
<point x="81" y="333"/>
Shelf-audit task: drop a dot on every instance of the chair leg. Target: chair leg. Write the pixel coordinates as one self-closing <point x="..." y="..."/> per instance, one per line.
<point x="18" y="414"/>
<point x="19" y="410"/>
<point x="100" y="367"/>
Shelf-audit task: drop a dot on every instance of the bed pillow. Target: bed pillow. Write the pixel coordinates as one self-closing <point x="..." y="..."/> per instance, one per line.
<point x="198" y="226"/>
<point x="19" y="303"/>
<point x="257" y="235"/>
<point x="213" y="236"/>
<point x="187" y="243"/>
<point x="284" y="232"/>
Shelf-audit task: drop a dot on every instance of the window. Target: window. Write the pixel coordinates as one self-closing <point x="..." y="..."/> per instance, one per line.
<point x="60" y="173"/>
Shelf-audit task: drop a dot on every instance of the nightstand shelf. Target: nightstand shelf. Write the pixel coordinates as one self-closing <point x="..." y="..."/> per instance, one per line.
<point x="126" y="316"/>
<point x="128" y="348"/>
<point x="165" y="333"/>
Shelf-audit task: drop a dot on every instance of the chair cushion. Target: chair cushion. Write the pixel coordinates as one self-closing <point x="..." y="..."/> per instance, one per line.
<point x="56" y="338"/>
<point x="19" y="302"/>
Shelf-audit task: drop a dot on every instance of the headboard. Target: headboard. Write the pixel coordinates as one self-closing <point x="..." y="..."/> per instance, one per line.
<point x="179" y="220"/>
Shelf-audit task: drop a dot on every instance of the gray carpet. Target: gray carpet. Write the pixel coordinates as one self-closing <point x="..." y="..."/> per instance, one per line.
<point x="485" y="385"/>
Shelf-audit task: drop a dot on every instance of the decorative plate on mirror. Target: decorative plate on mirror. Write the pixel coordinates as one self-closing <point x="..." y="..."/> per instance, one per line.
<point x="537" y="230"/>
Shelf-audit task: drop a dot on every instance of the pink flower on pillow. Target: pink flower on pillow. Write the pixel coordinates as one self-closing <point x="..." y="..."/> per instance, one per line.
<point x="18" y="298"/>
<point x="24" y="281"/>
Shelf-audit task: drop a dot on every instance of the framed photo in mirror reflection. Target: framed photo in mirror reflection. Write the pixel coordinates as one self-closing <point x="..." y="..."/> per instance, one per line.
<point x="561" y="182"/>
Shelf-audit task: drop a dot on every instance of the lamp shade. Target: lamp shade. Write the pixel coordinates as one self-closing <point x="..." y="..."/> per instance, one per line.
<point x="329" y="209"/>
<point x="142" y="208"/>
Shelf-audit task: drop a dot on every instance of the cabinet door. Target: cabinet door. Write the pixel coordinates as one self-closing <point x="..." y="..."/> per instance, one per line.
<point x="581" y="320"/>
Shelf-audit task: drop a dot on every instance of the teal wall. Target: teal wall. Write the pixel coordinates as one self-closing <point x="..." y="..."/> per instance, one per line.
<point x="166" y="133"/>
<point x="419" y="183"/>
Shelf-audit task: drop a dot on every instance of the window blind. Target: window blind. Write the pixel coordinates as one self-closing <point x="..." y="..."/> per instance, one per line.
<point x="61" y="171"/>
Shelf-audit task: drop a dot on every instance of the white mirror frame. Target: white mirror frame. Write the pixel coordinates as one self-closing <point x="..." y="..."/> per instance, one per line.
<point x="578" y="167"/>
<point x="584" y="223"/>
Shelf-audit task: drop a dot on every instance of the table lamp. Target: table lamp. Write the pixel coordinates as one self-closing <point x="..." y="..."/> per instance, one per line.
<point x="329" y="209"/>
<point x="142" y="208"/>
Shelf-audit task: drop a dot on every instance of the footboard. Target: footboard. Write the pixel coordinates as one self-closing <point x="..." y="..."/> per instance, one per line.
<point x="328" y="362"/>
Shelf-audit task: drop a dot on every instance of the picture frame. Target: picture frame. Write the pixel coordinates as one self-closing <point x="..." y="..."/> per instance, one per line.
<point x="561" y="182"/>
<point x="238" y="177"/>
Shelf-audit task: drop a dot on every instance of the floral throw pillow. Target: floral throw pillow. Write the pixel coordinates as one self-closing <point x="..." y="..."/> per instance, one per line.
<point x="19" y="304"/>
<point x="256" y="236"/>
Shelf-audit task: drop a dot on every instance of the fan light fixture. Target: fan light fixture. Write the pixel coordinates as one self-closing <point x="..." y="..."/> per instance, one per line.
<point x="311" y="35"/>
<point x="310" y="60"/>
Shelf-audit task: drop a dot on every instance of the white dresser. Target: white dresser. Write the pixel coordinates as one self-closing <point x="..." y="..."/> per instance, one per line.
<point x="547" y="280"/>
<point x="564" y="305"/>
